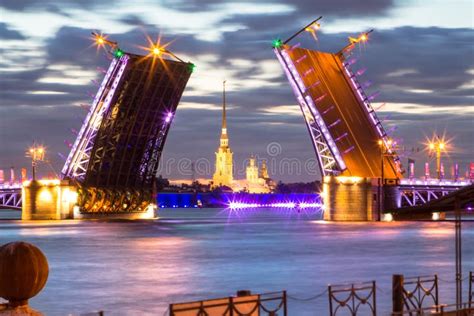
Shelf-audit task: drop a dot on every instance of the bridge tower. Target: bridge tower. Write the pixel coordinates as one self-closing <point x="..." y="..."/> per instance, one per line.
<point x="344" y="128"/>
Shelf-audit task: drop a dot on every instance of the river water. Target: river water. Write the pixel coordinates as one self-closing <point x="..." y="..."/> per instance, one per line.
<point x="139" y="267"/>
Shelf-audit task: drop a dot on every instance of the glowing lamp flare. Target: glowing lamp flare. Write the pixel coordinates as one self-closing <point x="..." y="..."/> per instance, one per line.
<point x="437" y="144"/>
<point x="313" y="27"/>
<point x="101" y="40"/>
<point x="156" y="50"/>
<point x="364" y="37"/>
<point x="37" y="153"/>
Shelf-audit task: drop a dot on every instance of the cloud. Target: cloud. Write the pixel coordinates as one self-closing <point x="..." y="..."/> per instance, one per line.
<point x="425" y="109"/>
<point x="6" y="33"/>
<point x="199" y="106"/>
<point x="282" y="109"/>
<point x="402" y="72"/>
<point x="334" y="7"/>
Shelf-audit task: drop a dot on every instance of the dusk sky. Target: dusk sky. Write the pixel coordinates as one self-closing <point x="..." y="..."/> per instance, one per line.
<point x="420" y="57"/>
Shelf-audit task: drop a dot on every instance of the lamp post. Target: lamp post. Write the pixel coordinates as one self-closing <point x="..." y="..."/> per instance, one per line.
<point x="438" y="145"/>
<point x="383" y="153"/>
<point x="313" y="23"/>
<point x="458" y="246"/>
<point x="37" y="154"/>
<point x="381" y="180"/>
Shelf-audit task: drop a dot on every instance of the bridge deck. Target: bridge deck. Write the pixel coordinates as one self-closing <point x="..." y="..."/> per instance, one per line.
<point x="462" y="198"/>
<point x="344" y="112"/>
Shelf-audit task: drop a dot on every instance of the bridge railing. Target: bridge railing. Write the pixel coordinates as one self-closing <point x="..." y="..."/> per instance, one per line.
<point x="10" y="185"/>
<point x="435" y="182"/>
<point x="10" y="198"/>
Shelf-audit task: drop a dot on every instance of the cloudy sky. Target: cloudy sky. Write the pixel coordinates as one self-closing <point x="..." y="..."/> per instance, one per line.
<point x="420" y="57"/>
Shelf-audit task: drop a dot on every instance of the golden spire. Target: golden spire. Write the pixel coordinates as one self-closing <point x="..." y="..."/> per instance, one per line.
<point x="224" y="138"/>
<point x="224" y="120"/>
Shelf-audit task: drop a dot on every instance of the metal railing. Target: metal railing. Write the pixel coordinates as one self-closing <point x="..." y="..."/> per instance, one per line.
<point x="351" y="297"/>
<point x="249" y="305"/>
<point x="416" y="291"/>
<point x="438" y="310"/>
<point x="417" y="296"/>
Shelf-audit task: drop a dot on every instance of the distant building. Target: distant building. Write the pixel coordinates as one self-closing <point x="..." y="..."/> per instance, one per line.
<point x="251" y="171"/>
<point x="257" y="181"/>
<point x="223" y="175"/>
<point x="264" y="172"/>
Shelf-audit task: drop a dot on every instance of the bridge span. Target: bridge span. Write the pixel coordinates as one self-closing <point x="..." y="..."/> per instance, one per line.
<point x="10" y="196"/>
<point x="420" y="191"/>
<point x="461" y="199"/>
<point x="358" y="160"/>
<point x="112" y="165"/>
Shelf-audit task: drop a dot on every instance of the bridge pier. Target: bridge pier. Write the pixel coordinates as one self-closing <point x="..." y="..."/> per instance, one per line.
<point x="48" y="199"/>
<point x="357" y="198"/>
<point x="58" y="199"/>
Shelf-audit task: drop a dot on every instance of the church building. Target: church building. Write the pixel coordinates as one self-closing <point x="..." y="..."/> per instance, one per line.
<point x="223" y="175"/>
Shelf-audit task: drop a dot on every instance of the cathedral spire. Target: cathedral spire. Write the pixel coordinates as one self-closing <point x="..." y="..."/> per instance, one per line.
<point x="224" y="137"/>
<point x="224" y="119"/>
<point x="223" y="176"/>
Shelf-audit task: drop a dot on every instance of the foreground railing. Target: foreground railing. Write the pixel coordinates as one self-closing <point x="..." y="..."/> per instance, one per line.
<point x="415" y="292"/>
<point x="471" y="290"/>
<point x="244" y="304"/>
<point x="438" y="310"/>
<point x="413" y="296"/>
<point x="353" y="298"/>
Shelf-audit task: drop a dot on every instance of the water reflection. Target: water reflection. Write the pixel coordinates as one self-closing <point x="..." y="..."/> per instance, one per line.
<point x="138" y="267"/>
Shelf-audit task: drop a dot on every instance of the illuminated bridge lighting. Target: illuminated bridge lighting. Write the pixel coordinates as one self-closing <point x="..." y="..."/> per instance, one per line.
<point x="156" y="50"/>
<point x="435" y="182"/>
<point x="118" y="53"/>
<point x="289" y="205"/>
<point x="277" y="43"/>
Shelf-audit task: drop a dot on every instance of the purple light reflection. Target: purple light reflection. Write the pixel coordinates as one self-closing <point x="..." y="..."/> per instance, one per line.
<point x="242" y="205"/>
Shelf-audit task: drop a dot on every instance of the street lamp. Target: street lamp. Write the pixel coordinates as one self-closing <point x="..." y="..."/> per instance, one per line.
<point x="380" y="188"/>
<point x="384" y="152"/>
<point x="310" y="27"/>
<point x="101" y="40"/>
<point x="37" y="154"/>
<point x="437" y="145"/>
<point x="157" y="50"/>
